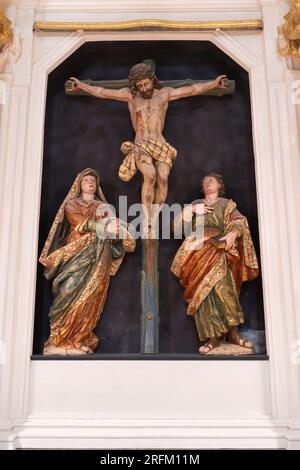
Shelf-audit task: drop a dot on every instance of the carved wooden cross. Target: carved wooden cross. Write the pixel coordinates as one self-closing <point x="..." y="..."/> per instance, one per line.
<point x="150" y="275"/>
<point x="118" y="84"/>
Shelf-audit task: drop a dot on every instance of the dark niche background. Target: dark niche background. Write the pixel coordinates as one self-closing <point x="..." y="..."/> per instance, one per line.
<point x="210" y="134"/>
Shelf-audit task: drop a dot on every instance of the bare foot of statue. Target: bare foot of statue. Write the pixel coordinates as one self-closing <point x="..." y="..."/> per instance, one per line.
<point x="148" y="233"/>
<point x="52" y="350"/>
<point x="86" y="350"/>
<point x="81" y="351"/>
<point x="211" y="344"/>
<point x="234" y="338"/>
<point x="147" y="230"/>
<point x="75" y="352"/>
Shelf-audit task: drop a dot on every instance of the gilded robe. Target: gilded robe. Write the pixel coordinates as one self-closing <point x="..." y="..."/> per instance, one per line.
<point x="212" y="277"/>
<point x="79" y="262"/>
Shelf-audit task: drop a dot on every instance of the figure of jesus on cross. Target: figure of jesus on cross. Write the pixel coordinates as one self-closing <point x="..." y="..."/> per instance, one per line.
<point x="148" y="101"/>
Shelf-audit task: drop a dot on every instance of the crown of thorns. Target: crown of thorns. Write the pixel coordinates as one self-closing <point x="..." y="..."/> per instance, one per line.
<point x="140" y="72"/>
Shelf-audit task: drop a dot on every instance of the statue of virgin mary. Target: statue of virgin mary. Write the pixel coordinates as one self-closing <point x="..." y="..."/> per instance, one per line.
<point x="85" y="246"/>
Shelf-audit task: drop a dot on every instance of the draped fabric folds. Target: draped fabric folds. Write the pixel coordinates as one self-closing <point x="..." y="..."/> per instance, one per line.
<point x="212" y="277"/>
<point x="79" y="262"/>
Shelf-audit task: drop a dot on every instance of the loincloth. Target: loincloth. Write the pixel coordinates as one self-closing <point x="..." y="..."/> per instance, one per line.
<point x="144" y="152"/>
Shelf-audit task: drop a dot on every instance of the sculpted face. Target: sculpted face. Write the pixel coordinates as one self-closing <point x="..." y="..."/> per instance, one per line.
<point x="145" y="87"/>
<point x="210" y="185"/>
<point x="88" y="184"/>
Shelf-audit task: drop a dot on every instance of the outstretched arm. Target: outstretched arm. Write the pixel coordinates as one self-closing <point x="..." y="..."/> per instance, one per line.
<point x="197" y="88"/>
<point x="100" y="92"/>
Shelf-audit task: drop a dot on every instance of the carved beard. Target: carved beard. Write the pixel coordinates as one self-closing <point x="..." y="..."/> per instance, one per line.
<point x="147" y="95"/>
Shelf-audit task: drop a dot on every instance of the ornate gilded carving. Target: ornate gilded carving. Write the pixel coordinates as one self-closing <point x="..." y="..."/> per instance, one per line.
<point x="10" y="42"/>
<point x="149" y="24"/>
<point x="289" y="33"/>
<point x="6" y="33"/>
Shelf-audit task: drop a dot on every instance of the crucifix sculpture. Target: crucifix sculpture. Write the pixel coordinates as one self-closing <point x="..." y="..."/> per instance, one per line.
<point x="148" y="101"/>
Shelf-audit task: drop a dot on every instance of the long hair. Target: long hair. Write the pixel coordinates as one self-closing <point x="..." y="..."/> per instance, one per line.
<point x="140" y="72"/>
<point x="219" y="180"/>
